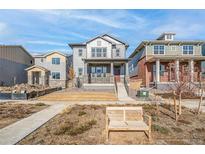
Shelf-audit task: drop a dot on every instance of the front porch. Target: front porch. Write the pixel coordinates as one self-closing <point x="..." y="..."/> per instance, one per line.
<point x="167" y="71"/>
<point x="105" y="71"/>
<point x="38" y="75"/>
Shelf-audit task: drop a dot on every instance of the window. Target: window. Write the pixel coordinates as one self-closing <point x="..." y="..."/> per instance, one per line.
<point x="161" y="71"/>
<point x="55" y="75"/>
<point x="159" y="49"/>
<point x="93" y="52"/>
<point x="117" y="53"/>
<point x="99" y="52"/>
<point x="80" y="52"/>
<point x="41" y="60"/>
<point x="104" y="52"/>
<point x="56" y="61"/>
<point x="188" y="49"/>
<point x="173" y="48"/>
<point x="98" y="43"/>
<point x="80" y="71"/>
<point x="169" y="37"/>
<point x="113" y="46"/>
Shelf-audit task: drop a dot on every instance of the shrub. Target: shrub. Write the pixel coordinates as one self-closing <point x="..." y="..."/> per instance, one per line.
<point x="160" y="129"/>
<point x="69" y="128"/>
<point x="81" y="113"/>
<point x="177" y="129"/>
<point x="40" y="104"/>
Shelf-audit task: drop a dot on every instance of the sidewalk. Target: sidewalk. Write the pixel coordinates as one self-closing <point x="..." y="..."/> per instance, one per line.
<point x="13" y="133"/>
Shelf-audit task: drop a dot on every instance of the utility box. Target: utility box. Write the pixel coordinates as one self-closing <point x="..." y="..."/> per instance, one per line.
<point x="143" y="93"/>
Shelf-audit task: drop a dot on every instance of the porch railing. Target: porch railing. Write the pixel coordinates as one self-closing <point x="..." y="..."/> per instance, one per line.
<point x="95" y="79"/>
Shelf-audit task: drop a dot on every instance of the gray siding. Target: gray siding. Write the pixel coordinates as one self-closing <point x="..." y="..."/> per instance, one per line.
<point x="133" y="64"/>
<point x="178" y="50"/>
<point x="13" y="62"/>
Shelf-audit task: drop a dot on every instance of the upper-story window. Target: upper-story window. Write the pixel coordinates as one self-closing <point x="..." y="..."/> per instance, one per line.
<point x="56" y="61"/>
<point x="114" y="46"/>
<point x="117" y="53"/>
<point x="41" y="60"/>
<point x="99" y="52"/>
<point x="99" y="43"/>
<point x="188" y="49"/>
<point x="159" y="49"/>
<point x="80" y="52"/>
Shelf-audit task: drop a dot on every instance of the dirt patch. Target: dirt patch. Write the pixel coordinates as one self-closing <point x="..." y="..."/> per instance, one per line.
<point x="185" y="95"/>
<point x="10" y="113"/>
<point x="86" y="125"/>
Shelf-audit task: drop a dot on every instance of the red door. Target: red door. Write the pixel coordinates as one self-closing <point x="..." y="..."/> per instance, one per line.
<point x="117" y="73"/>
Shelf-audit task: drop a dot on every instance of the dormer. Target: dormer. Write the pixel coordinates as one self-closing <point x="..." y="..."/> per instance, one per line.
<point x="167" y="36"/>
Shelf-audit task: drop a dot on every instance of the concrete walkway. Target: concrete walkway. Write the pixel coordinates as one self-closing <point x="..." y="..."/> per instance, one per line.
<point x="122" y="93"/>
<point x="193" y="104"/>
<point x="13" y="133"/>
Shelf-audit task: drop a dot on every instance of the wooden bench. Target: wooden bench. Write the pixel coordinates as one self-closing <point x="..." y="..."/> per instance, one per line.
<point x="127" y="119"/>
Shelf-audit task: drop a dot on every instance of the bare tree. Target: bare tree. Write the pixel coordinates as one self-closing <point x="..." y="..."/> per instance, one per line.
<point x="182" y="84"/>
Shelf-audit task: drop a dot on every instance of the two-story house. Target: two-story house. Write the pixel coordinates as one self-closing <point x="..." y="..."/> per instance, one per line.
<point x="100" y="60"/>
<point x="50" y="69"/>
<point x="161" y="61"/>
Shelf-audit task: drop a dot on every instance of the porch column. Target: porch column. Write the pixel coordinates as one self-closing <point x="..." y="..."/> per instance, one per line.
<point x="191" y="67"/>
<point x="111" y="69"/>
<point x="127" y="69"/>
<point x="85" y="68"/>
<point x="157" y="70"/>
<point x="177" y="69"/>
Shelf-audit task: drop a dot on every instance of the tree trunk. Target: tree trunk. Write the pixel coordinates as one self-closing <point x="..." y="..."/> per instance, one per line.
<point x="180" y="103"/>
<point x="200" y="102"/>
<point x="175" y="106"/>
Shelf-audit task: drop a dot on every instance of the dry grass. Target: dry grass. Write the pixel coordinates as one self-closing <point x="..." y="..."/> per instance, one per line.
<point x="80" y="96"/>
<point x="75" y="127"/>
<point x="10" y="113"/>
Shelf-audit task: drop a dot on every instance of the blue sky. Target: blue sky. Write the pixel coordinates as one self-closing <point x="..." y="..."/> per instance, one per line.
<point x="41" y="31"/>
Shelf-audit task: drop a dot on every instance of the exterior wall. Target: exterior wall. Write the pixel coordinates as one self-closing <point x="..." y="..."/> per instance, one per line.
<point x="178" y="50"/>
<point x="62" y="68"/>
<point x="133" y="64"/>
<point x="104" y="43"/>
<point x="122" y="49"/>
<point x="77" y="61"/>
<point x="13" y="62"/>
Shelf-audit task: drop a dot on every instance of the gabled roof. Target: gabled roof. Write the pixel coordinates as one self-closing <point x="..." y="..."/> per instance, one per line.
<point x="37" y="66"/>
<point x="99" y="36"/>
<point x="47" y="54"/>
<point x="115" y="39"/>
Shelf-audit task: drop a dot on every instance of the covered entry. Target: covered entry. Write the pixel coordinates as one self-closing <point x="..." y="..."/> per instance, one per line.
<point x="105" y="70"/>
<point x="38" y="75"/>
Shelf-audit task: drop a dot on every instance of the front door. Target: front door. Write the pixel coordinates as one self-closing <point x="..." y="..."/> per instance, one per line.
<point x="117" y="73"/>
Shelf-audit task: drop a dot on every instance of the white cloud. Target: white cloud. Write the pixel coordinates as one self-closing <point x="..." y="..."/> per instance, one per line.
<point x="121" y="19"/>
<point x="46" y="43"/>
<point x="3" y="28"/>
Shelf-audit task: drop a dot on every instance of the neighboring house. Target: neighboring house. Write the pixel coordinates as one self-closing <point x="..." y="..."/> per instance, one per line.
<point x="100" y="59"/>
<point x="14" y="59"/>
<point x="49" y="69"/>
<point x="152" y="59"/>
